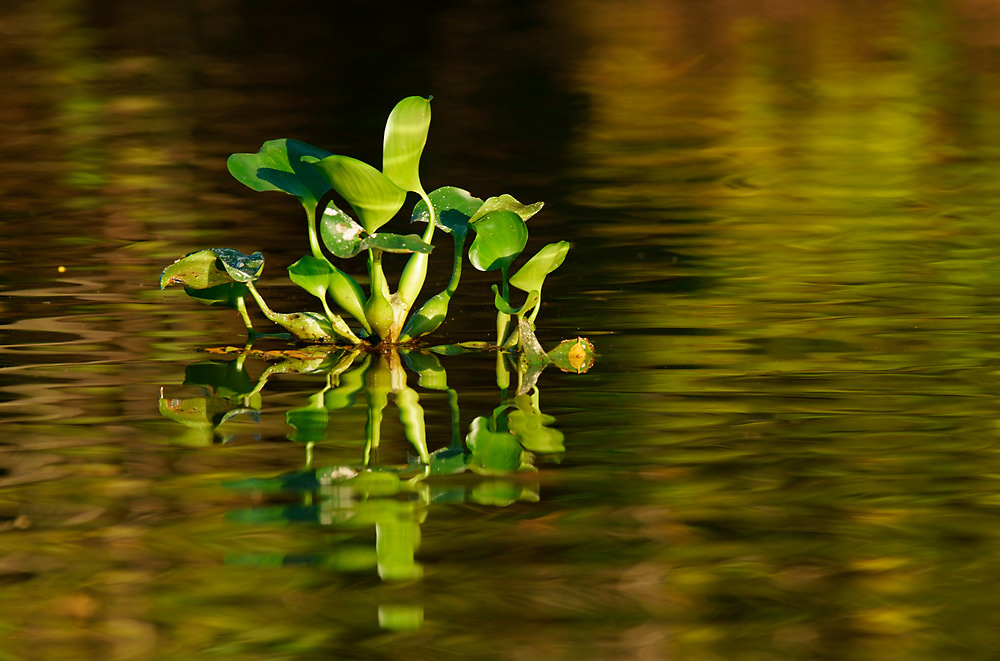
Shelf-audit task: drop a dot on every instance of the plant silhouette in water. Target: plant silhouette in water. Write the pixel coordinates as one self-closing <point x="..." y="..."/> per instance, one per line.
<point x="223" y="276"/>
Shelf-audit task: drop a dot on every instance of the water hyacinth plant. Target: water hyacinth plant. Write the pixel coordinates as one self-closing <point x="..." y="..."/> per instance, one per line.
<point x="380" y="316"/>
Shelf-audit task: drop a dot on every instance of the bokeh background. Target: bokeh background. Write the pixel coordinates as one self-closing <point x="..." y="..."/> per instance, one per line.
<point x="783" y="217"/>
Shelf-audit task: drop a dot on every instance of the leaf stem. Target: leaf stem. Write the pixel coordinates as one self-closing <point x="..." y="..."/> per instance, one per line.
<point x="313" y="238"/>
<point x="241" y="307"/>
<point x="268" y="312"/>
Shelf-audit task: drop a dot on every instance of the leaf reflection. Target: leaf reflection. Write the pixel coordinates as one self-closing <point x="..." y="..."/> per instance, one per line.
<point x="369" y="495"/>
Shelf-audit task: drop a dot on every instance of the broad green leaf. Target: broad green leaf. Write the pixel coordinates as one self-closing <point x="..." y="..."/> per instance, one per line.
<point x="396" y="243"/>
<point x="227" y="294"/>
<point x="454" y="208"/>
<point x="500" y="238"/>
<point x="374" y="197"/>
<point x="278" y="166"/>
<point x="240" y="267"/>
<point x="507" y="203"/>
<point x="506" y="308"/>
<point x="531" y="276"/>
<point x="201" y="270"/>
<point x="196" y="270"/>
<point x="405" y="137"/>
<point x="340" y="234"/>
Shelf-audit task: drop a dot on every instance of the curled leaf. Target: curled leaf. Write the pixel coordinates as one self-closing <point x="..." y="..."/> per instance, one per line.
<point x="201" y="270"/>
<point x="507" y="203"/>
<point x="531" y="276"/>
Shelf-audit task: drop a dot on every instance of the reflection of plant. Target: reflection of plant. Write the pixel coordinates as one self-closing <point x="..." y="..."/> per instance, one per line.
<point x="357" y="497"/>
<point x="223" y="276"/>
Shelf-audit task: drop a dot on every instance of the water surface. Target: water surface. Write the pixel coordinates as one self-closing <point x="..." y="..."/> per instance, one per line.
<point x="783" y="246"/>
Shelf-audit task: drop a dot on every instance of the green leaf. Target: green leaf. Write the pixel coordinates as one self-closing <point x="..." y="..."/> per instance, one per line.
<point x="311" y="274"/>
<point x="405" y="137"/>
<point x="531" y="276"/>
<point x="201" y="270"/>
<point x="278" y="166"/>
<point x="396" y="243"/>
<point x="196" y="270"/>
<point x="454" y="208"/>
<point x="374" y="197"/>
<point x="340" y="233"/>
<point x="507" y="203"/>
<point x="500" y="238"/>
<point x="240" y="267"/>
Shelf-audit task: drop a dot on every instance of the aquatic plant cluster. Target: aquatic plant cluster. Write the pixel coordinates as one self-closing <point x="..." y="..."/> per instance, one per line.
<point x="381" y="317"/>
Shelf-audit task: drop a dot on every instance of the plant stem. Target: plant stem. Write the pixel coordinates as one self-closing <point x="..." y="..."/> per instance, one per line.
<point x="456" y="269"/>
<point x="241" y="307"/>
<point x="415" y="271"/>
<point x="268" y="312"/>
<point x="313" y="239"/>
<point x="503" y="319"/>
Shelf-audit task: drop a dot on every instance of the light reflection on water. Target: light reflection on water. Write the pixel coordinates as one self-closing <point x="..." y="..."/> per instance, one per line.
<point x="782" y="220"/>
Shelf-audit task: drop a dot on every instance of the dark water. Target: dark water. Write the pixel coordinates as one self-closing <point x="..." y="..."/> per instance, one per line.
<point x="783" y="217"/>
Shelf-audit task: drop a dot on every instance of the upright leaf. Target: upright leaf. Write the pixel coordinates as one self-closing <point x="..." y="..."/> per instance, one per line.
<point x="405" y="137"/>
<point x="500" y="238"/>
<point x="374" y="197"/>
<point x="531" y="276"/>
